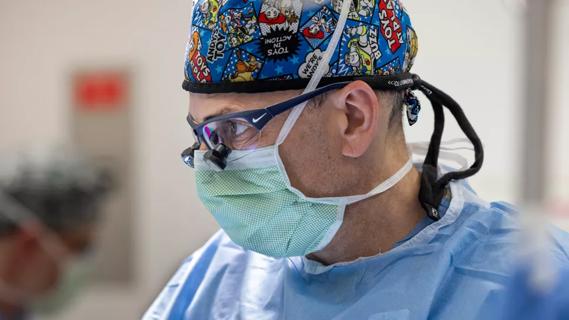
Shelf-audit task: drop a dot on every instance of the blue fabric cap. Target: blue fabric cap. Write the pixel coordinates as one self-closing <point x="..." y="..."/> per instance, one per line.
<point x="277" y="43"/>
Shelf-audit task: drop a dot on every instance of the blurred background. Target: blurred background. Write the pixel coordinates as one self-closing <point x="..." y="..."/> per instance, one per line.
<point x="105" y="76"/>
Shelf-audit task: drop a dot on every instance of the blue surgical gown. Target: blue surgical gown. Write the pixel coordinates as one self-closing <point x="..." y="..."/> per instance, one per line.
<point x="455" y="268"/>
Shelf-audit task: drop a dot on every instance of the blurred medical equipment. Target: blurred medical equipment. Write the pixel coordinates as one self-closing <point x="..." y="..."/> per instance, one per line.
<point x="49" y="207"/>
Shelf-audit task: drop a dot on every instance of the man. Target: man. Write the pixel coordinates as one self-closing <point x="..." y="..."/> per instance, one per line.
<point x="48" y="214"/>
<point x="323" y="214"/>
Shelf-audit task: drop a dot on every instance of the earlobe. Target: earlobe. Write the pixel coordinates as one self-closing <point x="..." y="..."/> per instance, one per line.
<point x="361" y="108"/>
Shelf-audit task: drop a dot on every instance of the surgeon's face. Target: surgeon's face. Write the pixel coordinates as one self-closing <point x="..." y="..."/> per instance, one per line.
<point x="314" y="153"/>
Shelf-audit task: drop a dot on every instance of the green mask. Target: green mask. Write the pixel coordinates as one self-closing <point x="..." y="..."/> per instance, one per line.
<point x="254" y="202"/>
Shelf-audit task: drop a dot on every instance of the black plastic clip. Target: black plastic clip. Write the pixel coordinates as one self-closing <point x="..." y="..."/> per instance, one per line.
<point x="218" y="155"/>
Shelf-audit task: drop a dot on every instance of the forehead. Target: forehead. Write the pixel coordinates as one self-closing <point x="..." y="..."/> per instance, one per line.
<point x="203" y="105"/>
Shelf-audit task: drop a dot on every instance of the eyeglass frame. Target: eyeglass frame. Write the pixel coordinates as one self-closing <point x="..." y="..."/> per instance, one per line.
<point x="259" y="118"/>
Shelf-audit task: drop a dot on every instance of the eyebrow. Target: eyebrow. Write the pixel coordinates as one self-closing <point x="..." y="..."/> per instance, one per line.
<point x="216" y="114"/>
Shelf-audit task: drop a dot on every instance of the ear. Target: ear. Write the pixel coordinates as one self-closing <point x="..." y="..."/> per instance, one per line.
<point x="361" y="110"/>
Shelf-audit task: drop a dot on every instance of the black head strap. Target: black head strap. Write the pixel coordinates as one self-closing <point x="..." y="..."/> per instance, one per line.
<point x="432" y="187"/>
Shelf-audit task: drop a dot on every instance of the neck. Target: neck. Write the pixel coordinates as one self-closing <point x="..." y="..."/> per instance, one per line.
<point x="374" y="225"/>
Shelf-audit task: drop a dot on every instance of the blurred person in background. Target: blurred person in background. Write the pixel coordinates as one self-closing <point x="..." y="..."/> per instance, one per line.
<point x="301" y="157"/>
<point x="49" y="207"/>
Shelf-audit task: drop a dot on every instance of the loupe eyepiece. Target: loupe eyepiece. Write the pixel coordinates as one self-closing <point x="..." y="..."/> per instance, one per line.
<point x="188" y="154"/>
<point x="218" y="155"/>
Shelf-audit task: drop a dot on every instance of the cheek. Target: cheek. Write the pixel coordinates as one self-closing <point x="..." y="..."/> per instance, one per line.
<point x="309" y="155"/>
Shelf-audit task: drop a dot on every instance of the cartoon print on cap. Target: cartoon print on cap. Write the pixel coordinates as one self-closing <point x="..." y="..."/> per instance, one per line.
<point x="197" y="63"/>
<point x="392" y="67"/>
<point x="240" y="25"/>
<point x="208" y="10"/>
<point x="359" y="9"/>
<point x="310" y="64"/>
<point x="361" y="56"/>
<point x="412" y="48"/>
<point x="391" y="27"/>
<point x="216" y="47"/>
<point x="242" y="66"/>
<point x="279" y="21"/>
<point x="319" y="27"/>
<point x="279" y="13"/>
<point x="236" y="41"/>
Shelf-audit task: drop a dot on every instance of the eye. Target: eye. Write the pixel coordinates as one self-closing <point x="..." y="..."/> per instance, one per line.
<point x="238" y="128"/>
<point x="239" y="133"/>
<point x="230" y="130"/>
<point x="234" y="133"/>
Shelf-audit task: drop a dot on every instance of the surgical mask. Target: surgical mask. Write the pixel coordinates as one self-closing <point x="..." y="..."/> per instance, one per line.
<point x="254" y="202"/>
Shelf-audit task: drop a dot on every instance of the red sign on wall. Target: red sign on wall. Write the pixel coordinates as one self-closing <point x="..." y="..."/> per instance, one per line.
<point x="101" y="90"/>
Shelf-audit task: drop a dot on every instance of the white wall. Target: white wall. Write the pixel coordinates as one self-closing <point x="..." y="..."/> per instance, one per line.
<point x="559" y="99"/>
<point x="470" y="49"/>
<point x="42" y="43"/>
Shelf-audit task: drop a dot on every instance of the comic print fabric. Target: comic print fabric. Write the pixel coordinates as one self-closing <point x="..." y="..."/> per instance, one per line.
<point x="281" y="41"/>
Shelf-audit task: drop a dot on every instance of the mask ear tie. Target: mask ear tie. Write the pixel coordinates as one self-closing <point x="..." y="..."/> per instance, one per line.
<point x="432" y="188"/>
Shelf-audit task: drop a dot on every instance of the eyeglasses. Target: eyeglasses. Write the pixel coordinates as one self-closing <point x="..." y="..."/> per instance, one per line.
<point x="241" y="130"/>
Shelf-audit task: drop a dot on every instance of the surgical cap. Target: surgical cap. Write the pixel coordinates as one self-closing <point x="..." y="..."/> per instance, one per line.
<point x="267" y="45"/>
